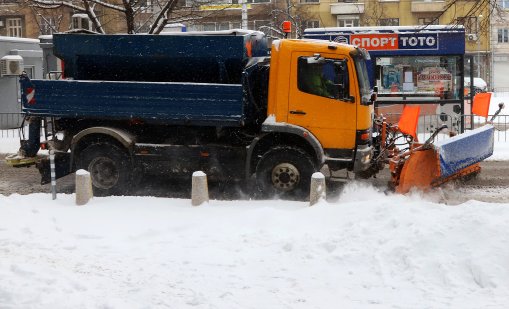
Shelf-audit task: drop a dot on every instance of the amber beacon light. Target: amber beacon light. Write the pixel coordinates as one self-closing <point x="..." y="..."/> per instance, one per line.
<point x="287" y="27"/>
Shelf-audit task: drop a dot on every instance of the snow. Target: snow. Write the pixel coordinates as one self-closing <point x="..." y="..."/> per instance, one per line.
<point x="497" y="98"/>
<point x="365" y="249"/>
<point x="318" y="175"/>
<point x="362" y="248"/>
<point x="82" y="172"/>
<point x="9" y="144"/>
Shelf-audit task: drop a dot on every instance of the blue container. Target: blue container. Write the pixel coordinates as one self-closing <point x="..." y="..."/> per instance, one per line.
<point x="218" y="58"/>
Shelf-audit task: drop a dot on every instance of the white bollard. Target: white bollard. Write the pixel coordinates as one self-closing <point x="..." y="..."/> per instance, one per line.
<point x="200" y="189"/>
<point x="318" y="189"/>
<point x="83" y="187"/>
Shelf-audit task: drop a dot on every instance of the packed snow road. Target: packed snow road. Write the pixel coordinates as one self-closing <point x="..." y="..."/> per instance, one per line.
<point x="490" y="186"/>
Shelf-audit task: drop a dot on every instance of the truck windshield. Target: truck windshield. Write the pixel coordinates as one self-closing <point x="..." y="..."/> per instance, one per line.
<point x="362" y="75"/>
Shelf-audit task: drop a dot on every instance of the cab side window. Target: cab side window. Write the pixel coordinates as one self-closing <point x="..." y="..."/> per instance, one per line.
<point x="323" y="77"/>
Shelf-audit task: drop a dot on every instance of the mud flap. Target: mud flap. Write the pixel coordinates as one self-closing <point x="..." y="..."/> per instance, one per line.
<point x="62" y="167"/>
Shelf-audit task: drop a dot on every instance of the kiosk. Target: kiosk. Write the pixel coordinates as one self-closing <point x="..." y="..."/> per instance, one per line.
<point x="412" y="65"/>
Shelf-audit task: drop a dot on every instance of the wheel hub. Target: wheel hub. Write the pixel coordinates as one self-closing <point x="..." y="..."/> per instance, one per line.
<point x="104" y="172"/>
<point x="285" y="176"/>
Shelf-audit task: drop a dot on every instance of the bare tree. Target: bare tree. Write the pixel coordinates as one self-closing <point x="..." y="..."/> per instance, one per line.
<point x="137" y="15"/>
<point x="373" y="13"/>
<point x="48" y="21"/>
<point x="291" y="11"/>
<point x="131" y="11"/>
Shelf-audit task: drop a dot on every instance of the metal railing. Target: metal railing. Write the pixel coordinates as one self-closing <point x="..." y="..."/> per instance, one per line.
<point x="428" y="123"/>
<point x="426" y="126"/>
<point x="10" y="124"/>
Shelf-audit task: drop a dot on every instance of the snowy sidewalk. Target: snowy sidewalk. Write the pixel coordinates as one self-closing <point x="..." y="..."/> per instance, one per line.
<point x="366" y="250"/>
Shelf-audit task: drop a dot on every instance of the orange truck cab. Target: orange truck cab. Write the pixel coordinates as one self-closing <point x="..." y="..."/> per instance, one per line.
<point x="322" y="89"/>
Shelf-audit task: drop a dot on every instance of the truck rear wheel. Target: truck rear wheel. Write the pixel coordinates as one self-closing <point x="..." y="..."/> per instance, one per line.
<point x="285" y="171"/>
<point x="109" y="168"/>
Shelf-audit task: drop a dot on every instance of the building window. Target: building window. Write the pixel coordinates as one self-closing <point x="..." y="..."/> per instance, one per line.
<point x="388" y="22"/>
<point x="209" y="27"/>
<point x="223" y="26"/>
<point x="503" y="35"/>
<point x="470" y="24"/>
<point x="14" y="27"/>
<point x="261" y="23"/>
<point x="255" y="1"/>
<point x="312" y="24"/>
<point x="212" y="26"/>
<point x="427" y="21"/>
<point x="48" y="25"/>
<point x="309" y="1"/>
<point x="504" y="4"/>
<point x="30" y="69"/>
<point x="348" y="21"/>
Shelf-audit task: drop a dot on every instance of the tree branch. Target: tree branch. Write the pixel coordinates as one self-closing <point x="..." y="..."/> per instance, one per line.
<point x="54" y="4"/>
<point x="93" y="17"/>
<point x="161" y="19"/>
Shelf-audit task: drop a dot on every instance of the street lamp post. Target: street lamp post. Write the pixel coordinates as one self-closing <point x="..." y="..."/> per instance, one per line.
<point x="244" y="14"/>
<point x="478" y="47"/>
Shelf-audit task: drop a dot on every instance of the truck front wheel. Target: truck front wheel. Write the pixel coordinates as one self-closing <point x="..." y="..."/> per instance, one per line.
<point x="285" y="171"/>
<point x="109" y="168"/>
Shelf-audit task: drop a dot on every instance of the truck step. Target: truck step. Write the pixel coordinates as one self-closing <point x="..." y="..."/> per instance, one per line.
<point x="16" y="160"/>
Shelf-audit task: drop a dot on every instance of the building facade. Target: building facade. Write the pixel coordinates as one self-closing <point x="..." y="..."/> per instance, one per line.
<point x="352" y="13"/>
<point x="487" y="35"/>
<point x="499" y="30"/>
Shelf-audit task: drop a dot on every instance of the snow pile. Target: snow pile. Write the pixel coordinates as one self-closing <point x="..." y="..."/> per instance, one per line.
<point x="9" y="144"/>
<point x="365" y="249"/>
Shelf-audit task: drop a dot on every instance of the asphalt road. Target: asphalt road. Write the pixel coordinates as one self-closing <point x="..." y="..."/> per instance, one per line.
<point x="491" y="185"/>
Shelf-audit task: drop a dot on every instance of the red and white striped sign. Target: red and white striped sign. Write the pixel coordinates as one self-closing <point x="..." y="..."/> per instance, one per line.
<point x="30" y="93"/>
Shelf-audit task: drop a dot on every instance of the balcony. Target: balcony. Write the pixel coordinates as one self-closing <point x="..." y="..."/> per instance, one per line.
<point x="347" y="8"/>
<point x="425" y="6"/>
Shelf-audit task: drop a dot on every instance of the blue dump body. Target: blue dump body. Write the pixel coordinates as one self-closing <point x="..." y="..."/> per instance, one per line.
<point x="464" y="150"/>
<point x="176" y="103"/>
<point x="169" y="79"/>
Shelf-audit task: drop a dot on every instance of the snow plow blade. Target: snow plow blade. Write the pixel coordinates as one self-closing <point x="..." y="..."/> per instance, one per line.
<point x="446" y="160"/>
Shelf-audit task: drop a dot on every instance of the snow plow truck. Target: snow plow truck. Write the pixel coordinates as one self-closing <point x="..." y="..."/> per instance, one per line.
<point x="226" y="104"/>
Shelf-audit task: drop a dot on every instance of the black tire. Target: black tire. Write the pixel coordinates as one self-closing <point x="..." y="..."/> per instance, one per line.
<point x="109" y="167"/>
<point x="285" y="172"/>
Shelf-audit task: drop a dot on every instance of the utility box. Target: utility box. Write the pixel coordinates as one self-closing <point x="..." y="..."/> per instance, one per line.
<point x="16" y="55"/>
<point x="52" y="66"/>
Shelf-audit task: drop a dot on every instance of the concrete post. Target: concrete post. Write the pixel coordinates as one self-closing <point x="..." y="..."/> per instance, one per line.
<point x="318" y="188"/>
<point x="83" y="187"/>
<point x="200" y="190"/>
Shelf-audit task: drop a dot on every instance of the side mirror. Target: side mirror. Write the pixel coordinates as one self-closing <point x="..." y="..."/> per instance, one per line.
<point x="374" y="94"/>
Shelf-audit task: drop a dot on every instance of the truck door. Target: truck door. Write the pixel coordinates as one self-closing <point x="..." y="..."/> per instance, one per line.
<point x="322" y="98"/>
